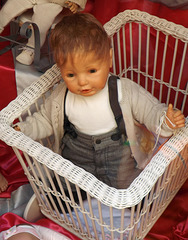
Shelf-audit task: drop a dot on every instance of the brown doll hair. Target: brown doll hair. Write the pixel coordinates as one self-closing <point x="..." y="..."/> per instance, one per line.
<point x="79" y="33"/>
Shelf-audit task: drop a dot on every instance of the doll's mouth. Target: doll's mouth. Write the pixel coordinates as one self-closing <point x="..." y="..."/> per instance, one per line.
<point x="85" y="91"/>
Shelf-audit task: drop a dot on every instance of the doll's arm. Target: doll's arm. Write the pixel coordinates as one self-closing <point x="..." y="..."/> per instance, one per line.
<point x="76" y="5"/>
<point x="72" y="6"/>
<point x="36" y="126"/>
<point x="42" y="123"/>
<point x="149" y="111"/>
<point x="17" y="128"/>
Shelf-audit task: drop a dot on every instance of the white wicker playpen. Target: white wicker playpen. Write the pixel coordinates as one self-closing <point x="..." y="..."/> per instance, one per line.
<point x="152" y="52"/>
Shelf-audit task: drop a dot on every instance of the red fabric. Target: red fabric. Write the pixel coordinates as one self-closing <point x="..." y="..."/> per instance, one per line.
<point x="173" y="223"/>
<point x="7" y="75"/>
<point x="181" y="230"/>
<point x="8" y="160"/>
<point x="105" y="10"/>
<point x="104" y="13"/>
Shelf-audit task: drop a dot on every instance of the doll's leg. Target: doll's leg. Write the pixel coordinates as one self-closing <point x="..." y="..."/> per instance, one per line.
<point x="48" y="11"/>
<point x="12" y="9"/>
<point x="3" y="183"/>
<point x="44" y="16"/>
<point x="127" y="172"/>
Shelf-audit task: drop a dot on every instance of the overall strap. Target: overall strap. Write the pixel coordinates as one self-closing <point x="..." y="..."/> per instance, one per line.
<point x="67" y="125"/>
<point x="66" y="121"/>
<point x="114" y="103"/>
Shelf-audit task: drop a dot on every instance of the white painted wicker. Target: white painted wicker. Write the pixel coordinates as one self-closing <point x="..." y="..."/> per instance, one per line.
<point x="110" y="213"/>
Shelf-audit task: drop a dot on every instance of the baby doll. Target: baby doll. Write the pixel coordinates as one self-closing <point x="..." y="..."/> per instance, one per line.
<point x="80" y="114"/>
<point x="31" y="232"/>
<point x="44" y="13"/>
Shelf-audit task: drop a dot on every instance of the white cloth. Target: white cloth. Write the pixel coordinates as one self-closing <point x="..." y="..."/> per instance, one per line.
<point x="91" y="115"/>
<point x="49" y="234"/>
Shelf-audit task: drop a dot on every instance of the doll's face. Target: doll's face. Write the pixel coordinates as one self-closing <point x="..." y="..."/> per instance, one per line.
<point x="84" y="74"/>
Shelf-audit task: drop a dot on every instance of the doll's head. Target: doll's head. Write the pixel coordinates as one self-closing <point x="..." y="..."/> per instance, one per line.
<point x="23" y="236"/>
<point x="80" y="32"/>
<point x="21" y="232"/>
<point x="82" y="51"/>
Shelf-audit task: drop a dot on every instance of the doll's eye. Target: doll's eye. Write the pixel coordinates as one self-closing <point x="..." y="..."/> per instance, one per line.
<point x="70" y="75"/>
<point x="93" y="70"/>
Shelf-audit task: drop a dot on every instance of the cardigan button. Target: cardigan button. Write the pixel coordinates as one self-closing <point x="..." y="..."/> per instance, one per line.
<point x="98" y="141"/>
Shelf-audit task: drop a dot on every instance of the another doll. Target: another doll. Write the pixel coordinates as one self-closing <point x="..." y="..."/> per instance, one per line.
<point x="44" y="14"/>
<point x="31" y="232"/>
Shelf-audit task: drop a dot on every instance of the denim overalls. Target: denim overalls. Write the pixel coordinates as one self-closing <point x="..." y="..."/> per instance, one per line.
<point x="106" y="156"/>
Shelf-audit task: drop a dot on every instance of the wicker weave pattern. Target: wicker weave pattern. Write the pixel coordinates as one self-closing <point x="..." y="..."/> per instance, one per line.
<point x="107" y="195"/>
<point x="169" y="28"/>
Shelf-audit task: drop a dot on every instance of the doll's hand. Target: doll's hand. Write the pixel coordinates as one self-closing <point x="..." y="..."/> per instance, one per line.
<point x="72" y="6"/>
<point x="174" y="118"/>
<point x="17" y="128"/>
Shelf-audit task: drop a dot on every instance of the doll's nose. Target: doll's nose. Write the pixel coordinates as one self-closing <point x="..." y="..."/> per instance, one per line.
<point x="82" y="80"/>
